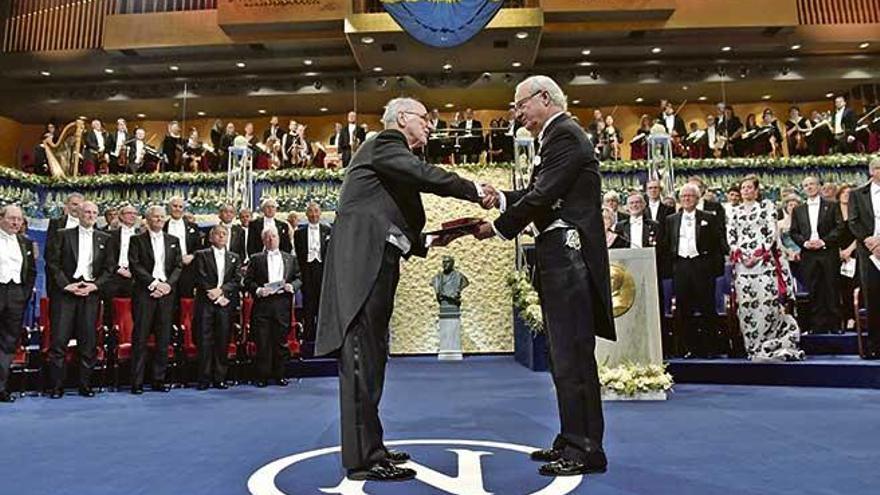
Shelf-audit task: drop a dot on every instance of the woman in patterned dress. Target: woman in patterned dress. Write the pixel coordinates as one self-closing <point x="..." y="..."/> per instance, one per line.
<point x="762" y="279"/>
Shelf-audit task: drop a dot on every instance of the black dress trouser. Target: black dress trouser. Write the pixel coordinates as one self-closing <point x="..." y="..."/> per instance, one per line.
<point x="13" y="301"/>
<point x="569" y="301"/>
<point x="270" y="322"/>
<point x="821" y="272"/>
<point x="214" y="322"/>
<point x="362" y="361"/>
<point x="75" y="317"/>
<point x="151" y="315"/>
<point x="871" y="295"/>
<point x="312" y="276"/>
<point x="693" y="282"/>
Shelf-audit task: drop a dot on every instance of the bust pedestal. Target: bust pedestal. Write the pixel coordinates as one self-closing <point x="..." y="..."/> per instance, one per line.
<point x="449" y="328"/>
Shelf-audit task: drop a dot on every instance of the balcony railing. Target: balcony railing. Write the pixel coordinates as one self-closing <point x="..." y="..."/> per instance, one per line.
<point x="153" y="6"/>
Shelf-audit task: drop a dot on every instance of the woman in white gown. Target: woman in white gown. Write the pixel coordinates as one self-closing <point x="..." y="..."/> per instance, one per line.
<point x="761" y="278"/>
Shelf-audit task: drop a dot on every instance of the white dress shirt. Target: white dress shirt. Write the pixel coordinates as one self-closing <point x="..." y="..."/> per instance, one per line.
<point x="71" y="222"/>
<point x="269" y="223"/>
<point x="813" y="212"/>
<point x="314" y="244"/>
<point x="670" y="122"/>
<point x="276" y="266"/>
<point x="100" y="138"/>
<point x="220" y="260"/>
<point x="177" y="228"/>
<point x="85" y="253"/>
<point x="125" y="234"/>
<point x="653" y="207"/>
<point x="139" y="151"/>
<point x="10" y="259"/>
<point x="157" y="240"/>
<point x="120" y="142"/>
<point x="468" y="125"/>
<point x="687" y="235"/>
<point x="352" y="128"/>
<point x="636" y="226"/>
<point x="228" y="233"/>
<point x="875" y="203"/>
<point x="838" y="121"/>
<point x="710" y="132"/>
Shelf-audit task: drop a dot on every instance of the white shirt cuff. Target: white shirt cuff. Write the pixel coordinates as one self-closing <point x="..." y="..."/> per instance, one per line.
<point x="480" y="193"/>
<point x="502" y="202"/>
<point x="497" y="233"/>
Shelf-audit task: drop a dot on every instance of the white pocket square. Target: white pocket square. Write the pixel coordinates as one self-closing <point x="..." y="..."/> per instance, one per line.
<point x="703" y="223"/>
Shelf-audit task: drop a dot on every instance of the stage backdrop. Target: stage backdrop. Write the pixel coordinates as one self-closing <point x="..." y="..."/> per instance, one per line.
<point x="486" y="319"/>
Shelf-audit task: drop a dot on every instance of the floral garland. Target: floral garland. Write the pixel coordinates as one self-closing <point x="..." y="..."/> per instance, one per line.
<point x="630" y="379"/>
<point x="525" y="299"/>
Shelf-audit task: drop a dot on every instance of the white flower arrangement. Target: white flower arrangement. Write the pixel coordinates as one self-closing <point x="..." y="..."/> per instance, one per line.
<point x="631" y="379"/>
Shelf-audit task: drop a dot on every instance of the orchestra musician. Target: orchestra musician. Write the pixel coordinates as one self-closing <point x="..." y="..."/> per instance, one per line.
<point x="638" y="146"/>
<point x="351" y="137"/>
<point x="273" y="130"/>
<point x="819" y="136"/>
<point x="611" y="138"/>
<point x="731" y="129"/>
<point x="675" y="128"/>
<point x="694" y="142"/>
<point x="844" y="127"/>
<point x="194" y="153"/>
<point x="868" y="130"/>
<point x="138" y="152"/>
<point x="226" y="142"/>
<point x="172" y="147"/>
<point x="796" y="128"/>
<point x="288" y="141"/>
<point x="767" y="138"/>
<point x="118" y="142"/>
<point x="95" y="152"/>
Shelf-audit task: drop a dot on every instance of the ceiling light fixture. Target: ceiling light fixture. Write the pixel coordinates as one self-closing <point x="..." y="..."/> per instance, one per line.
<point x="585" y="63"/>
<point x="586" y="52"/>
<point x="656" y="49"/>
<point x="449" y="105"/>
<point x="308" y="61"/>
<point x="726" y="48"/>
<point x="829" y="95"/>
<point x="702" y="98"/>
<point x="324" y="109"/>
<point x="367" y="40"/>
<point x="45" y="73"/>
<point x="522" y="35"/>
<point x="140" y="116"/>
<point x="795" y="47"/>
<point x="201" y="114"/>
<point x="766" y="97"/>
<point x="241" y="65"/>
<point x="447" y="66"/>
<point x="173" y="68"/>
<point x="516" y="64"/>
<point x="575" y="102"/>
<point x="864" y="45"/>
<point x="377" y="69"/>
<point x="639" y="99"/>
<point x="261" y="111"/>
<point x="108" y="70"/>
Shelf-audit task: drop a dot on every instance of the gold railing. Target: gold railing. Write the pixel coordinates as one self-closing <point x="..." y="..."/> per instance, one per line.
<point x="375" y="6"/>
<point x="838" y="11"/>
<point x="153" y="6"/>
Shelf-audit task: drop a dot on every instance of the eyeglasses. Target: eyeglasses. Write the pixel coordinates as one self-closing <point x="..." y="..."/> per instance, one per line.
<point x="518" y="106"/>
<point x="423" y="116"/>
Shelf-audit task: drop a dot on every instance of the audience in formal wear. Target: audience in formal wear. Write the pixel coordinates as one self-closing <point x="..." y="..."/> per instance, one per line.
<point x="656" y="209"/>
<point x="761" y="278"/>
<point x="310" y="245"/>
<point x="155" y="261"/>
<point x="17" y="275"/>
<point x="696" y="249"/>
<point x="613" y="240"/>
<point x="864" y="223"/>
<point x="217" y="289"/>
<point x="272" y="277"/>
<point x="78" y="263"/>
<point x="816" y="228"/>
<point x="268" y="221"/>
<point x="187" y="232"/>
<point x="120" y="278"/>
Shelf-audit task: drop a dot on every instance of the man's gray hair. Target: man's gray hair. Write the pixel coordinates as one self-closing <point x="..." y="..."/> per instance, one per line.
<point x="268" y="201"/>
<point x="5" y="208"/>
<point x="543" y="83"/>
<point x="875" y="163"/>
<point x="689" y="186"/>
<point x="154" y="208"/>
<point x="395" y="106"/>
<point x="72" y="196"/>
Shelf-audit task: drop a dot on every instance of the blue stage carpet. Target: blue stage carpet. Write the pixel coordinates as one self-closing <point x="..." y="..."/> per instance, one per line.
<point x="707" y="439"/>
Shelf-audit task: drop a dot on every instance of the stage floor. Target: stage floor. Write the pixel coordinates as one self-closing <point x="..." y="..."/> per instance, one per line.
<point x="707" y="439"/>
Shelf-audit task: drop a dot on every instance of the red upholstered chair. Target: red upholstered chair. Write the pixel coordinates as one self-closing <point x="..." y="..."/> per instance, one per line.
<point x="293" y="337"/>
<point x="101" y="355"/>
<point x="185" y="346"/>
<point x="248" y="349"/>
<point x="122" y="327"/>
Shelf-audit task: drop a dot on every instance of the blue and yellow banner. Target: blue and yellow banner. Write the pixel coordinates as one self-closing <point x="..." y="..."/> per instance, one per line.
<point x="442" y="23"/>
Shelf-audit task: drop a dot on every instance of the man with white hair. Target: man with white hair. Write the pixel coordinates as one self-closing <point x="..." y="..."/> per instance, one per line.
<point x="563" y="201"/>
<point x="612" y="200"/>
<point x="696" y="244"/>
<point x="864" y="223"/>
<point x="155" y="261"/>
<point x="17" y="275"/>
<point x="187" y="232"/>
<point x="268" y="221"/>
<point x="379" y="220"/>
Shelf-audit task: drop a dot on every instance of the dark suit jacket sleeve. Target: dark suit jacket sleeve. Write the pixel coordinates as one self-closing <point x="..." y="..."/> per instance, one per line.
<point x="54" y="264"/>
<point x="203" y="279"/>
<point x="232" y="286"/>
<point x="250" y="278"/>
<point x="799" y="232"/>
<point x="722" y="234"/>
<point x="31" y="274"/>
<point x="103" y="272"/>
<point x="295" y="279"/>
<point x="857" y="225"/>
<point x="393" y="161"/>
<point x="137" y="260"/>
<point x="836" y="234"/>
<point x="562" y="160"/>
<point x="176" y="264"/>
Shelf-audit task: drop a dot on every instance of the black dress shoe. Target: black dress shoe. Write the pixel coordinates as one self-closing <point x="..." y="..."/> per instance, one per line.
<point x="86" y="392"/>
<point x="221" y="385"/>
<point x="545" y="455"/>
<point x="6" y="397"/>
<point x="565" y="467"/>
<point x="261" y="383"/>
<point x="396" y="456"/>
<point x="203" y="386"/>
<point x="160" y="387"/>
<point x="137" y="390"/>
<point x="282" y="382"/>
<point x="56" y="393"/>
<point x="382" y="471"/>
